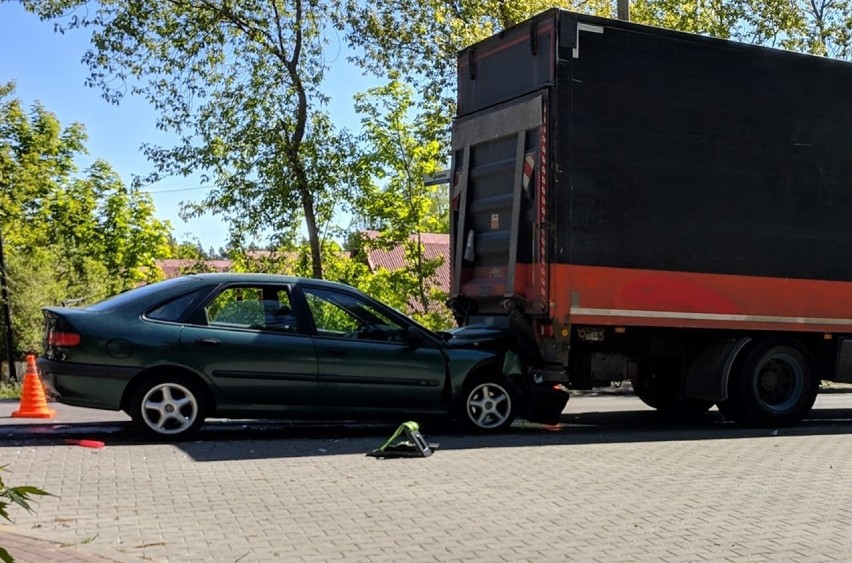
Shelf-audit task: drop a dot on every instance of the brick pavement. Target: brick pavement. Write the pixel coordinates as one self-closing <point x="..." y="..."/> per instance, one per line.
<point x="628" y="491"/>
<point x="26" y="549"/>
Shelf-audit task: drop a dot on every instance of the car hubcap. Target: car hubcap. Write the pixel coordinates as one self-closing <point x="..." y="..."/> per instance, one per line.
<point x="169" y="408"/>
<point x="489" y="405"/>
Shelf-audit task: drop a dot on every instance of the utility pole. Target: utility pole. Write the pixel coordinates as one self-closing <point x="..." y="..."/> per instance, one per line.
<point x="7" y="314"/>
<point x="624" y="10"/>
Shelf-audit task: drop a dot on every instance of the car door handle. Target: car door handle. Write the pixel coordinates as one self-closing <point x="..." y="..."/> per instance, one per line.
<point x="207" y="341"/>
<point x="337" y="351"/>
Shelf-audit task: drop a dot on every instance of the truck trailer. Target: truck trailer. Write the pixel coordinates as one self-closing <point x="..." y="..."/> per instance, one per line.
<point x="641" y="204"/>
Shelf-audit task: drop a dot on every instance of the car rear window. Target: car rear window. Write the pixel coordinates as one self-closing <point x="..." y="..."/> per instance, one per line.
<point x="140" y="294"/>
<point x="173" y="310"/>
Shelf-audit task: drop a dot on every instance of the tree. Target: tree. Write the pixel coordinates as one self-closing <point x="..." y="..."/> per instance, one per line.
<point x="400" y="149"/>
<point x="239" y="83"/>
<point x="130" y="238"/>
<point x="69" y="238"/>
<point x="36" y="155"/>
<point x="421" y="38"/>
<point x="820" y="27"/>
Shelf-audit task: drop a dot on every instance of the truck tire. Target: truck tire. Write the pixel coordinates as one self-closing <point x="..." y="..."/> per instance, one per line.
<point x="776" y="385"/>
<point x="658" y="386"/>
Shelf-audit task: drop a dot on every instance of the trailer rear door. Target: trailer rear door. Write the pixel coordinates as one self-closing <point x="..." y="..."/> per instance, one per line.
<point x="499" y="204"/>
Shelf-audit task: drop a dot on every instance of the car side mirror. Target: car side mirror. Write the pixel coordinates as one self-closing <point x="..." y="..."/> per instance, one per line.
<point x="413" y="336"/>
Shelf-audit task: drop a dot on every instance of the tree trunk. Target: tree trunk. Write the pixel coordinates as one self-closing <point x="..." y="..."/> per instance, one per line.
<point x="313" y="234"/>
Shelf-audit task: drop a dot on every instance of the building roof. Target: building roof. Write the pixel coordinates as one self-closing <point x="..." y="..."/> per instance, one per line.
<point x="434" y="245"/>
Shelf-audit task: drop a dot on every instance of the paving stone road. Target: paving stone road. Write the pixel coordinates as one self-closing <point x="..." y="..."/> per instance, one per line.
<point x="610" y="484"/>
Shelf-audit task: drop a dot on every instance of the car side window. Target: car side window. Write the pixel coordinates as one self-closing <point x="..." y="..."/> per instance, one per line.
<point x="172" y="311"/>
<point x="253" y="307"/>
<point x="340" y="315"/>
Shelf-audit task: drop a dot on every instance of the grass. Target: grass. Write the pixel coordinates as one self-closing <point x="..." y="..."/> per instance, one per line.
<point x="10" y="390"/>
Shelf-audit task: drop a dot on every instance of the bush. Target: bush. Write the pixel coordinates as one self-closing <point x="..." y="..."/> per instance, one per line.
<point x="9" y="390"/>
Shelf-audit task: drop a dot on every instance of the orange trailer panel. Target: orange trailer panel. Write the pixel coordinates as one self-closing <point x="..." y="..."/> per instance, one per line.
<point x="633" y="297"/>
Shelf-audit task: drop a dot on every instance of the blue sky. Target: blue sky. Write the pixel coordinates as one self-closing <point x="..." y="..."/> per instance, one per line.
<point x="46" y="67"/>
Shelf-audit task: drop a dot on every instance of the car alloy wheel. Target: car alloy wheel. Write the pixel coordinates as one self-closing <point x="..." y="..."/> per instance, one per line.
<point x="489" y="406"/>
<point x="170" y="409"/>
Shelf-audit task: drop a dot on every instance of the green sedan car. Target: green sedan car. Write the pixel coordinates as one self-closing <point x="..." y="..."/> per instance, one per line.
<point x="173" y="353"/>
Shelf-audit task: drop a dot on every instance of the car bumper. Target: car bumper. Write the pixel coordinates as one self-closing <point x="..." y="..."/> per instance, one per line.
<point x="86" y="385"/>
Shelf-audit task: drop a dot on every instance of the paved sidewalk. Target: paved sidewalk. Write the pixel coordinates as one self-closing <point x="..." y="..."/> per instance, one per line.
<point x="20" y="544"/>
<point x="26" y="549"/>
<point x="612" y="483"/>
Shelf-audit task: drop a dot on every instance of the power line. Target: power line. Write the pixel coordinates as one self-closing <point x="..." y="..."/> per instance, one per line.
<point x="172" y="190"/>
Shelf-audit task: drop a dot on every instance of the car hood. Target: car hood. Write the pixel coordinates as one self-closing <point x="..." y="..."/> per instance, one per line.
<point x="477" y="336"/>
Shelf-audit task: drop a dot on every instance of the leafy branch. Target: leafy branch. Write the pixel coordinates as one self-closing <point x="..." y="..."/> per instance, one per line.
<point x="22" y="496"/>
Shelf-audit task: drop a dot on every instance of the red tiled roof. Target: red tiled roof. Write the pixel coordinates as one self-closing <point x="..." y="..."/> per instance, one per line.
<point x="434" y="245"/>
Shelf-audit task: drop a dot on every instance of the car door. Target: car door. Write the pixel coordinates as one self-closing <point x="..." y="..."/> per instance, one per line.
<point x="364" y="358"/>
<point x="250" y="343"/>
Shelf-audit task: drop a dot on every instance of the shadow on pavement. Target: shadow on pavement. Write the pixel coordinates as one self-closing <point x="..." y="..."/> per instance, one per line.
<point x="228" y="440"/>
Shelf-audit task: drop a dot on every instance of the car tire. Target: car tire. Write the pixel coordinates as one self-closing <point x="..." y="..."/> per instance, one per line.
<point x="168" y="408"/>
<point x="487" y="404"/>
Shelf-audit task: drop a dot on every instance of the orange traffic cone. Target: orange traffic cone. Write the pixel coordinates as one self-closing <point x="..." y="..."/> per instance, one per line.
<point x="33" y="402"/>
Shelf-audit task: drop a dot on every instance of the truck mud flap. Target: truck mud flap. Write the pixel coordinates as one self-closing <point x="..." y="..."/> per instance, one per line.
<point x="708" y="374"/>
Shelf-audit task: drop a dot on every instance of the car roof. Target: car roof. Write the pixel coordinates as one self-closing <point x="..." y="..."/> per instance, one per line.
<point x="237" y="277"/>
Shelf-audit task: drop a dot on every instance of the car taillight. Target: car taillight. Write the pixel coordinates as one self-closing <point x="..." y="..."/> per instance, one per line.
<point x="63" y="339"/>
<point x="58" y="332"/>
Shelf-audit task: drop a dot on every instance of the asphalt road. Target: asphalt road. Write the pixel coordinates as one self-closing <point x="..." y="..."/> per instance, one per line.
<point x="612" y="482"/>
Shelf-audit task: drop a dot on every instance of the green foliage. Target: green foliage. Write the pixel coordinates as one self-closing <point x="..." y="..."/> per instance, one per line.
<point x="35" y="155"/>
<point x="400" y="148"/>
<point x="68" y="238"/>
<point x="420" y="38"/>
<point x="820" y="27"/>
<point x="40" y="276"/>
<point x="21" y="496"/>
<point x="392" y="287"/>
<point x="10" y="390"/>
<point x="239" y="83"/>
<point x="192" y="250"/>
<point x="186" y="249"/>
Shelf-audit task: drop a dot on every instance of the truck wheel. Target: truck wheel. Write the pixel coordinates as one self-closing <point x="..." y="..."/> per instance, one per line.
<point x="487" y="404"/>
<point x="168" y="407"/>
<point x="777" y="384"/>
<point x="658" y="386"/>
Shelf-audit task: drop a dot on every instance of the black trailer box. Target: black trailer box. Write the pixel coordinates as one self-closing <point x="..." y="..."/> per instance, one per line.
<point x="667" y="151"/>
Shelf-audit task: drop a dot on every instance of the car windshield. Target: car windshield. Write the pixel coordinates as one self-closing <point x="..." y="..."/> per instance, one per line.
<point x="139" y="293"/>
